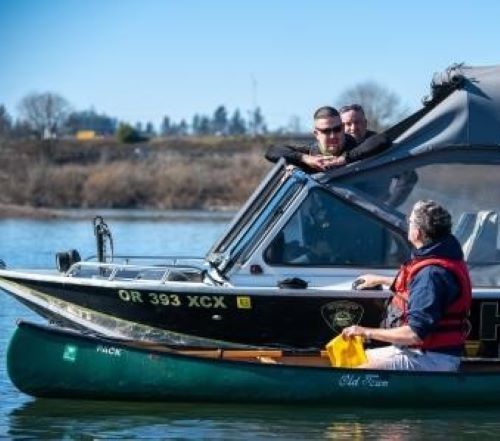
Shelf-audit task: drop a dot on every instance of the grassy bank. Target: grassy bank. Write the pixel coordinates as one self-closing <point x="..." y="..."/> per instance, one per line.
<point x="187" y="173"/>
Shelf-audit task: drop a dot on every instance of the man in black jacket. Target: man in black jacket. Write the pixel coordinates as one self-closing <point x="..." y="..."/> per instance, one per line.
<point x="332" y="148"/>
<point x="355" y="122"/>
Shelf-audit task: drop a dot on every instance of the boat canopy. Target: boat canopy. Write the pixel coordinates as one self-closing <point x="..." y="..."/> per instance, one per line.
<point x="448" y="151"/>
<point x="470" y="115"/>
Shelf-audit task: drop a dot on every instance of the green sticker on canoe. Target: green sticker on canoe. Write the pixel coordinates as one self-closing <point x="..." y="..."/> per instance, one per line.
<point x="70" y="353"/>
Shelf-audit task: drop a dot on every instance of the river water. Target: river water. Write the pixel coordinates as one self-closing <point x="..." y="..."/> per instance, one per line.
<point x="33" y="243"/>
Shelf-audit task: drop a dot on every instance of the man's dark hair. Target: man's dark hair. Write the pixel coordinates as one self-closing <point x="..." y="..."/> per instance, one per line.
<point x="326" y="112"/>
<point x="355" y="107"/>
<point x="433" y="219"/>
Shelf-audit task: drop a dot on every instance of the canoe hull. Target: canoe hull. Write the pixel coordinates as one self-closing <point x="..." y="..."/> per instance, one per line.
<point x="52" y="363"/>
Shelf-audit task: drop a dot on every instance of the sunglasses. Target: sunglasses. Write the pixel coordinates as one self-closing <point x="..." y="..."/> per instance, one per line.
<point x="330" y="130"/>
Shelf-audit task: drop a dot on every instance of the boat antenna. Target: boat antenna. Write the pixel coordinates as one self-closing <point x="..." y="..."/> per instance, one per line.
<point x="102" y="234"/>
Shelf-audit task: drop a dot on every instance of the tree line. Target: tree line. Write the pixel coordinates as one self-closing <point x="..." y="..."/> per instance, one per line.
<point x="49" y="115"/>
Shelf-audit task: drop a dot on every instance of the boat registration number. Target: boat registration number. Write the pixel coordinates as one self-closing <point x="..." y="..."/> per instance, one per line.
<point x="174" y="300"/>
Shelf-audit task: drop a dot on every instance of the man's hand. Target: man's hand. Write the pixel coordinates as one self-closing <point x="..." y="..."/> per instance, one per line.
<point x="367" y="281"/>
<point x="355" y="330"/>
<point x="314" y="162"/>
<point x="321" y="162"/>
<point x="334" y="161"/>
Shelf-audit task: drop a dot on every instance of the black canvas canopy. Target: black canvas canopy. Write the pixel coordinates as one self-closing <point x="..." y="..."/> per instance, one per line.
<point x="448" y="151"/>
<point x="469" y="115"/>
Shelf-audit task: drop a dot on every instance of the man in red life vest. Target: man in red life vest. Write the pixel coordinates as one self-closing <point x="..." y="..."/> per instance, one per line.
<point x="426" y="318"/>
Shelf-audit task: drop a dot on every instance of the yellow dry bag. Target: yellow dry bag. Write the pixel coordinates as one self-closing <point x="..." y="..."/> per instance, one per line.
<point x="346" y="352"/>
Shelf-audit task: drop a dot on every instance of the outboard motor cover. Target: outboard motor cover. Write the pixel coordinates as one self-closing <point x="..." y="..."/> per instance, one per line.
<point x="65" y="259"/>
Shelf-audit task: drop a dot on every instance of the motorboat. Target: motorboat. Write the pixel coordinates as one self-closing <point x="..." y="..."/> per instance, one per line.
<point x="281" y="275"/>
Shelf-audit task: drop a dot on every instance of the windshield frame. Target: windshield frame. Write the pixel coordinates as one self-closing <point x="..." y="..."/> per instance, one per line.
<point x="248" y="212"/>
<point x="250" y="239"/>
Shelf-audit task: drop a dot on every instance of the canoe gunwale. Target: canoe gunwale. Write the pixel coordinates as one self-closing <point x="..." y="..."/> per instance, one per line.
<point x="281" y="358"/>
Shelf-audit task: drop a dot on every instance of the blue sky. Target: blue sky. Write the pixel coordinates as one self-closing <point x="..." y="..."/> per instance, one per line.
<point x="139" y="60"/>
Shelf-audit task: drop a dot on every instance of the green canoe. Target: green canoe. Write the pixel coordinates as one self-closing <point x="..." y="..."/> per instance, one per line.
<point x="46" y="361"/>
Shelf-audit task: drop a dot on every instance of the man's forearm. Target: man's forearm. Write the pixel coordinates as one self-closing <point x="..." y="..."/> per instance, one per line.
<point x="402" y="335"/>
<point x="291" y="154"/>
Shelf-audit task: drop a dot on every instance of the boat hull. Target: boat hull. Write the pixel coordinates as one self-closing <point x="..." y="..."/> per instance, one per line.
<point x="195" y="315"/>
<point x="217" y="316"/>
<point x="50" y="362"/>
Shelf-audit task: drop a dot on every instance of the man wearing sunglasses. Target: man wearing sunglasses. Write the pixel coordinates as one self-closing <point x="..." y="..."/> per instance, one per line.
<point x="332" y="147"/>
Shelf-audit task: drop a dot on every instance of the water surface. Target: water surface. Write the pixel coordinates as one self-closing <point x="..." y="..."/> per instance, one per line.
<point x="33" y="243"/>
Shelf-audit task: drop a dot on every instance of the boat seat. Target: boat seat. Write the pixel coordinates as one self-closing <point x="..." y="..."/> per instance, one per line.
<point x="478" y="233"/>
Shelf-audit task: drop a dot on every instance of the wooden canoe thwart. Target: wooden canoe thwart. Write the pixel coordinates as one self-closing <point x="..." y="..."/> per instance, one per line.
<point x="46" y="361"/>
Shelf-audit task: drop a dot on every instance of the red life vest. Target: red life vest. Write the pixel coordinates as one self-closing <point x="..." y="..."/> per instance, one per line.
<point x="451" y="329"/>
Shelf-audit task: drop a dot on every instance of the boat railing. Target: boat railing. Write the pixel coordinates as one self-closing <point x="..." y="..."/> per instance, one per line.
<point x="122" y="271"/>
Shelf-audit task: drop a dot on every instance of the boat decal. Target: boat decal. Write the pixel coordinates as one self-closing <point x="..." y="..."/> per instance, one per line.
<point x="102" y="323"/>
<point x="154" y="298"/>
<point x="366" y="380"/>
<point x="109" y="350"/>
<point x="69" y="353"/>
<point x="164" y="299"/>
<point x="341" y="313"/>
<point x="206" y="302"/>
<point x="243" y="302"/>
<point x="489" y="321"/>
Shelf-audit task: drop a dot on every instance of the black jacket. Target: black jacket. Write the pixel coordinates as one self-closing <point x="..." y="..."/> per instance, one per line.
<point x="352" y="152"/>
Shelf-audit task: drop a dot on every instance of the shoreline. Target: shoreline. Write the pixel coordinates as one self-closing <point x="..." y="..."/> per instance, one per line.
<point x="11" y="211"/>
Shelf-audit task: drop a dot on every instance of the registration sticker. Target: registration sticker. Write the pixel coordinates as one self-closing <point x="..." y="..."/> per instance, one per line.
<point x="243" y="302"/>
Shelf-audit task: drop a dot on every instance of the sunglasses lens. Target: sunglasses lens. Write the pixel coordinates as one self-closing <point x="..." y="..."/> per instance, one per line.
<point x="329" y="130"/>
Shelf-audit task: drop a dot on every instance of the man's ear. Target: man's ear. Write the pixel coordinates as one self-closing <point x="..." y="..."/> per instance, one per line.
<point x="421" y="235"/>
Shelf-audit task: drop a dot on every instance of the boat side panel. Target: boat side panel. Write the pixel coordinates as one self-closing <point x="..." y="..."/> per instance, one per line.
<point x="309" y="320"/>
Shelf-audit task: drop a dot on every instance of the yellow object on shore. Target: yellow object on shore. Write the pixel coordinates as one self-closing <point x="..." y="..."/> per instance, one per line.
<point x="346" y="352"/>
<point x="85" y="135"/>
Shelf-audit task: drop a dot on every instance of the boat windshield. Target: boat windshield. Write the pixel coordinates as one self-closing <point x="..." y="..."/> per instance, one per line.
<point x="273" y="210"/>
<point x="248" y="212"/>
<point x="328" y="231"/>
<point x="469" y="190"/>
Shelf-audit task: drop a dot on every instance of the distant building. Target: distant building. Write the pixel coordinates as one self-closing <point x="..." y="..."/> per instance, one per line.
<point x="85" y="135"/>
<point x="49" y="133"/>
<point x="89" y="125"/>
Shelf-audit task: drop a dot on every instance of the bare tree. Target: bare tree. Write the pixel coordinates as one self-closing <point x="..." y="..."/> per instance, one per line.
<point x="382" y="107"/>
<point x="44" y="112"/>
<point x="5" y="120"/>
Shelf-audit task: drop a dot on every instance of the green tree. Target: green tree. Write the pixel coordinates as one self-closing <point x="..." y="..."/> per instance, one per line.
<point x="195" y="125"/>
<point x="237" y="124"/>
<point x="382" y="107"/>
<point x="91" y="120"/>
<point x="45" y="112"/>
<point x="183" y="128"/>
<point x="219" y="121"/>
<point x="5" y="121"/>
<point x="126" y="134"/>
<point x="256" y="122"/>
<point x="150" y="129"/>
<point x="21" y="129"/>
<point x="204" y="127"/>
<point x="166" y="126"/>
